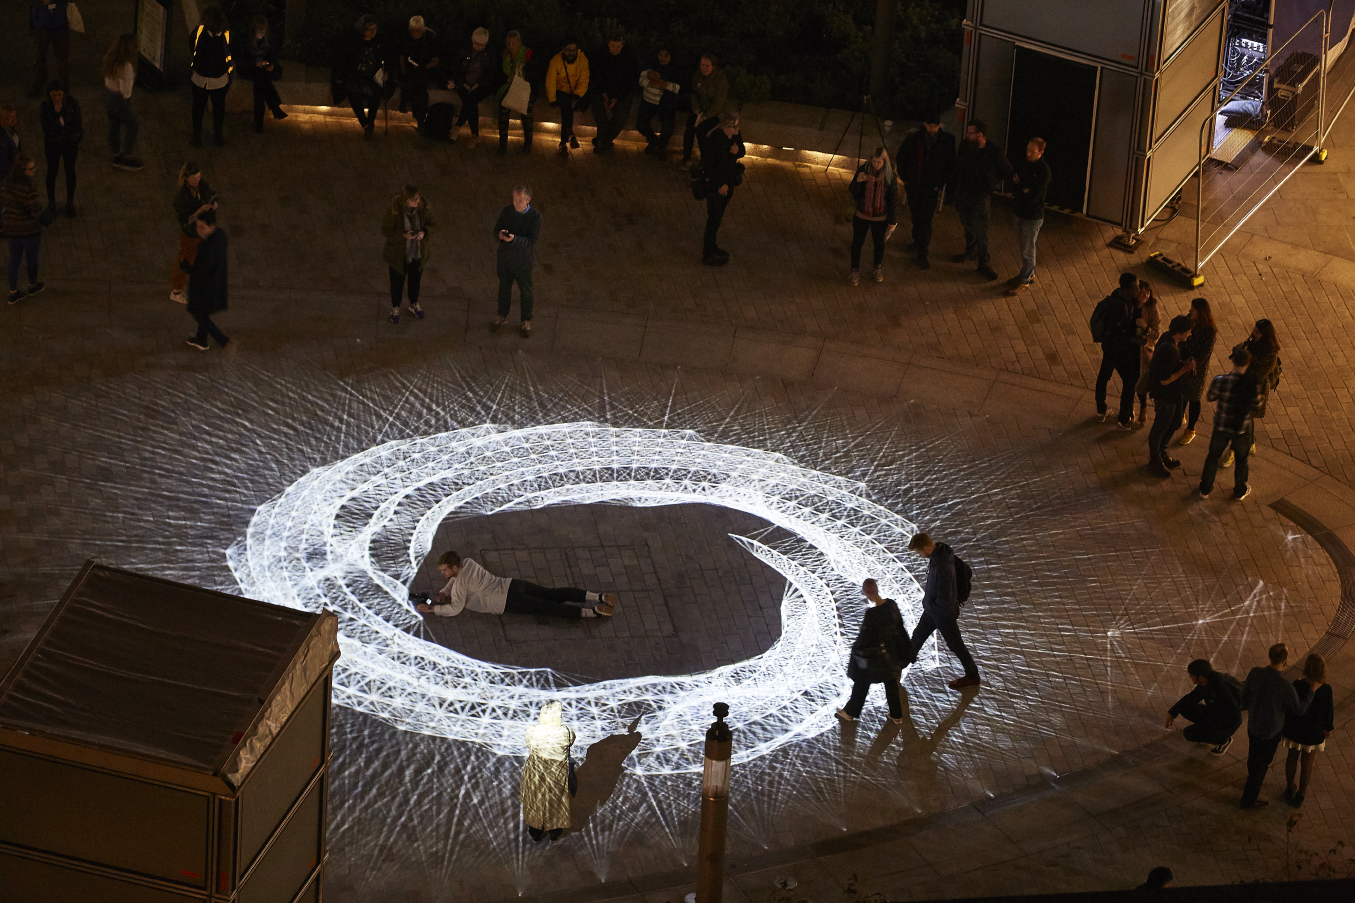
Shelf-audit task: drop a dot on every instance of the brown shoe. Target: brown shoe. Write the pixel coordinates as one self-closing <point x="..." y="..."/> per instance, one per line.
<point x="1255" y="804"/>
<point x="497" y="322"/>
<point x="525" y="330"/>
<point x="964" y="683"/>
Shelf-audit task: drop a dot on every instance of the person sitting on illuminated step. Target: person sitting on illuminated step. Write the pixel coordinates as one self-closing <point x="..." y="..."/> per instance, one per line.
<point x="470" y="586"/>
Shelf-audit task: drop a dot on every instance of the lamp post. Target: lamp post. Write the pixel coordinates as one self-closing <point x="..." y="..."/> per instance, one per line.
<point x="710" y="859"/>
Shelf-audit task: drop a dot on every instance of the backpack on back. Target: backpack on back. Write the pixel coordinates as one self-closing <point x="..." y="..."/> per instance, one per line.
<point x="1105" y="317"/>
<point x="964" y="580"/>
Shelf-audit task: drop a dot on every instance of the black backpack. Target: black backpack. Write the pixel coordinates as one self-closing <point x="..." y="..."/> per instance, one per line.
<point x="964" y="580"/>
<point x="1105" y="317"/>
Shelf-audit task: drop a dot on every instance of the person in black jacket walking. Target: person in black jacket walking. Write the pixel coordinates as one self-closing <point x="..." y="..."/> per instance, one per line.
<point x="62" y="130"/>
<point x="1032" y="186"/>
<point x="208" y="277"/>
<point x="1306" y="735"/>
<point x="980" y="169"/>
<point x="941" y="607"/>
<point x="875" y="190"/>
<point x="925" y="161"/>
<point x="721" y="149"/>
<point x="517" y="230"/>
<point x="210" y="51"/>
<point x="1269" y="700"/>
<point x="879" y="655"/>
<point x="1213" y="707"/>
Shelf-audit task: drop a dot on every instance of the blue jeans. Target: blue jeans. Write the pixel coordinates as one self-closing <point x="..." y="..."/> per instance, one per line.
<point x="1218" y="442"/>
<point x="1029" y="230"/>
<point x="122" y="124"/>
<point x="19" y="246"/>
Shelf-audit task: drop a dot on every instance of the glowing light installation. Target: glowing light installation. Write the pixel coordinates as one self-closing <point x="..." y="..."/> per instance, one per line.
<point x="349" y="537"/>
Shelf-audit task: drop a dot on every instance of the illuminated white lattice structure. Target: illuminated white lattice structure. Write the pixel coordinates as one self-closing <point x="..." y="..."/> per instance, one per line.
<point x="349" y="537"/>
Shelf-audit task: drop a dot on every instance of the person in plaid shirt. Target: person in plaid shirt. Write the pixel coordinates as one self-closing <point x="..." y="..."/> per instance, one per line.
<point x="1237" y="402"/>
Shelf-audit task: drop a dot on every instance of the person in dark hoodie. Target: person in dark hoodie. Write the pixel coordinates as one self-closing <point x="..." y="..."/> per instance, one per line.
<point x="980" y="169"/>
<point x="613" y="76"/>
<point x="941" y="607"/>
<point x="924" y="162"/>
<point x="517" y="231"/>
<point x="660" y="85"/>
<point x="1213" y="707"/>
<point x="207" y="281"/>
<point x="878" y="656"/>
<point x="1269" y="699"/>
<point x="721" y="149"/>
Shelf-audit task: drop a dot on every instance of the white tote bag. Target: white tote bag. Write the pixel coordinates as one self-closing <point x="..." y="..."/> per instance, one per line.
<point x="519" y="96"/>
<point x="74" y="20"/>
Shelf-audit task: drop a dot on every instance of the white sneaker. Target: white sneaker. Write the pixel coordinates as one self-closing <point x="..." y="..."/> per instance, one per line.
<point x="854" y="278"/>
<point x="179" y="297"/>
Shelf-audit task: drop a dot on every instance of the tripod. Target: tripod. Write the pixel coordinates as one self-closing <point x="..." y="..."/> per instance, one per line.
<point x="860" y="131"/>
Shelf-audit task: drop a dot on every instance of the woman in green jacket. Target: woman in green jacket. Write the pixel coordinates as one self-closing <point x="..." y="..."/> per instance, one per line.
<point x="407" y="225"/>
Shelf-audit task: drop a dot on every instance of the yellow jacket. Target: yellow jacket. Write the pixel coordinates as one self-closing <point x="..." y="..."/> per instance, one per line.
<point x="571" y="78"/>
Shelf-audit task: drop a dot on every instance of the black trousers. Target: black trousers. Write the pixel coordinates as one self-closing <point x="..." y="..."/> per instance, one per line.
<point x="861" y="688"/>
<point x="877" y="238"/>
<point x="1166" y="421"/>
<point x="511" y="271"/>
<point x="1125" y="360"/>
<point x="526" y="598"/>
<point x="55" y="157"/>
<point x="716" y="204"/>
<point x="568" y="103"/>
<point x="950" y="632"/>
<point x="470" y="106"/>
<point x="412" y="275"/>
<point x="1260" y="753"/>
<point x="265" y="94"/>
<point x="207" y="328"/>
<point x="922" y="209"/>
<point x="218" y="98"/>
<point x="526" y="119"/>
<point x="610" y="124"/>
<point x="1204" y="728"/>
<point x="414" y="93"/>
<point x="364" y="96"/>
<point x="644" y="122"/>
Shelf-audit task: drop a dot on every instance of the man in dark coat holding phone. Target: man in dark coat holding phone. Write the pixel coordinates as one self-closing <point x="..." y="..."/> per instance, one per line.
<point x="878" y="656"/>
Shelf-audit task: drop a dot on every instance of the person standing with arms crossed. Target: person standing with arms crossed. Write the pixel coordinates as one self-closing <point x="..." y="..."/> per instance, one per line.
<point x="1032" y="185"/>
<point x="980" y="169"/>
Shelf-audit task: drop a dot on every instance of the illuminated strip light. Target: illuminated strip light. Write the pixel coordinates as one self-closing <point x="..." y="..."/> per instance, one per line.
<point x="349" y="538"/>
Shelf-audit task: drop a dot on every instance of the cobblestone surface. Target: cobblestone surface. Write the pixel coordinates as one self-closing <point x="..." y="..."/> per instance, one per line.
<point x="118" y="442"/>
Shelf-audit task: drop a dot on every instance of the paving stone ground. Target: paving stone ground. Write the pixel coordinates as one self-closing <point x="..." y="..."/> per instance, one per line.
<point x="118" y="442"/>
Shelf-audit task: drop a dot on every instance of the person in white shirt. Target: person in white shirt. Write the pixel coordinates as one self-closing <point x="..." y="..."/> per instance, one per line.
<point x="119" y="71"/>
<point x="470" y="586"/>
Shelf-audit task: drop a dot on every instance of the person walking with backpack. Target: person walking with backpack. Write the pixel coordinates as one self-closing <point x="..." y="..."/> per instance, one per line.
<point x="1114" y="328"/>
<point x="1214" y="707"/>
<point x="941" y="598"/>
<point x="879" y="655"/>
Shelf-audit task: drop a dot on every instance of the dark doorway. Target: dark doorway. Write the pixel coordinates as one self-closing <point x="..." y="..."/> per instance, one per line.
<point x="1054" y="99"/>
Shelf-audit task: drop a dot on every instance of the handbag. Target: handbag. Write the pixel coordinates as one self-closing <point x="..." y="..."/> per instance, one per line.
<point x="519" y="96"/>
<point x="74" y="21"/>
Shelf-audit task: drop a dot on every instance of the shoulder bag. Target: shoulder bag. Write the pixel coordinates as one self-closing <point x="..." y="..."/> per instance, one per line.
<point x="519" y="96"/>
